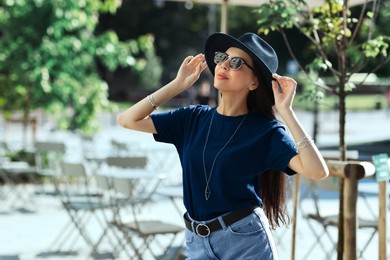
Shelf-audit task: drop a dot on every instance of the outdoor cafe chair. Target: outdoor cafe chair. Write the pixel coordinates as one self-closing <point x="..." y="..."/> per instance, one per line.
<point x="4" y="149"/>
<point x="119" y="148"/>
<point x="369" y="188"/>
<point x="325" y="238"/>
<point x="83" y="205"/>
<point x="144" y="234"/>
<point x="104" y="183"/>
<point x="48" y="157"/>
<point x="15" y="177"/>
<point x="135" y="184"/>
<point x="138" y="166"/>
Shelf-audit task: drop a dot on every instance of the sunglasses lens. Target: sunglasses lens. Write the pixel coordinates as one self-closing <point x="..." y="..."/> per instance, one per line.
<point x="236" y="63"/>
<point x="220" y="57"/>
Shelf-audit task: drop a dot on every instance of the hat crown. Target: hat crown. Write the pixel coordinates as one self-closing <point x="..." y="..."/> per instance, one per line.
<point x="261" y="49"/>
<point x="263" y="55"/>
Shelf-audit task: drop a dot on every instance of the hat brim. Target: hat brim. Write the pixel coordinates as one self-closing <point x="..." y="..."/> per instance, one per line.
<point x="222" y="42"/>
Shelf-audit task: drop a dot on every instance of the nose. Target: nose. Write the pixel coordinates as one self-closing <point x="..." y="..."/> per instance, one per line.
<point x="225" y="64"/>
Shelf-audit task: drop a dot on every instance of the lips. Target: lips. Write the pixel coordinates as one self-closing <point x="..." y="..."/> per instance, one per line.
<point x="221" y="76"/>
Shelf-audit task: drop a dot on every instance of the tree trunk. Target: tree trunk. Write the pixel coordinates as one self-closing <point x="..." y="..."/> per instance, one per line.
<point x="342" y="48"/>
<point x="342" y="113"/>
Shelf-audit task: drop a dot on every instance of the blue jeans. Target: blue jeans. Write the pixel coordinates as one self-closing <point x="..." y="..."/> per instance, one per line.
<point x="248" y="238"/>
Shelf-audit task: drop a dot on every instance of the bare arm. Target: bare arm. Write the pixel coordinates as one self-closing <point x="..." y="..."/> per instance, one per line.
<point x="309" y="162"/>
<point x="137" y="116"/>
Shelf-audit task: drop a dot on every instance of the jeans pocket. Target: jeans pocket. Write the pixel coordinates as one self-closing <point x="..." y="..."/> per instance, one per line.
<point x="248" y="225"/>
<point x="189" y="236"/>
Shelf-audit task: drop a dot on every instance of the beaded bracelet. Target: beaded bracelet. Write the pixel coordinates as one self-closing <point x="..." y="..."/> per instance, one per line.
<point x="303" y="143"/>
<point x="152" y="103"/>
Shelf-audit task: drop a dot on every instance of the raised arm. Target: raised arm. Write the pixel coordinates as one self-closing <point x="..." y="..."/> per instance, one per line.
<point x="309" y="162"/>
<point x="137" y="116"/>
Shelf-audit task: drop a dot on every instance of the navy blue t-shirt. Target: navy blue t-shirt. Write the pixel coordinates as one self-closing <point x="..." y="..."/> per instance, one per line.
<point x="260" y="144"/>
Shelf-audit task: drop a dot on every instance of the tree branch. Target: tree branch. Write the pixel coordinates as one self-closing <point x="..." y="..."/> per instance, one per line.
<point x="375" y="8"/>
<point x="316" y="40"/>
<point x="359" y="24"/>
<point x="299" y="64"/>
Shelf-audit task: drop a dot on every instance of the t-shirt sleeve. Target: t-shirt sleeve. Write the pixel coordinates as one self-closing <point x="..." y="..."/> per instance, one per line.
<point x="281" y="149"/>
<point x="168" y="126"/>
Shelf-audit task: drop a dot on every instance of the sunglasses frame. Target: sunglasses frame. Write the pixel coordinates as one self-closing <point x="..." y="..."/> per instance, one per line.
<point x="243" y="62"/>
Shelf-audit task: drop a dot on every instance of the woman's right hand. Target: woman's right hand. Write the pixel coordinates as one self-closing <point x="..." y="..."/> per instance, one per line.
<point x="190" y="70"/>
<point x="137" y="117"/>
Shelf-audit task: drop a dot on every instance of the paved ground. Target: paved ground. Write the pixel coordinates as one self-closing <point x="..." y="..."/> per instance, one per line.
<point x="29" y="226"/>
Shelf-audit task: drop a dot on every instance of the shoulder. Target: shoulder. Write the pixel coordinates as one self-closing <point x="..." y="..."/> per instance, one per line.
<point x="193" y="110"/>
<point x="265" y="127"/>
<point x="198" y="109"/>
<point x="264" y="121"/>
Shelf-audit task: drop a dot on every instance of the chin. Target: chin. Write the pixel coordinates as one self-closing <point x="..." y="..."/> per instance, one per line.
<point x="218" y="84"/>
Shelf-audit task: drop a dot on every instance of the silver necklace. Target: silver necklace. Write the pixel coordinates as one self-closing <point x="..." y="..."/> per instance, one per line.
<point x="207" y="190"/>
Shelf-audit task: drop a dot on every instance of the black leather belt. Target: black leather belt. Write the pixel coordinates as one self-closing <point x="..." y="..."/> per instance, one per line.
<point x="205" y="229"/>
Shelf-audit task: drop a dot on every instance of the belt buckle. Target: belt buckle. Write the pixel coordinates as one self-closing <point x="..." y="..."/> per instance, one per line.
<point x="202" y="230"/>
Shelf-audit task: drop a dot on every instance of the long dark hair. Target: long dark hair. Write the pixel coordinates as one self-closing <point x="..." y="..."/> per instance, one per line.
<point x="273" y="184"/>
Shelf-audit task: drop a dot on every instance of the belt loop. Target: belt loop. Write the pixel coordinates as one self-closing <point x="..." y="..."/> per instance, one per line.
<point x="193" y="225"/>
<point x="220" y="219"/>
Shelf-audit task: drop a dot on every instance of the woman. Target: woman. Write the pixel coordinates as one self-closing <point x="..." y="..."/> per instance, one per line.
<point x="232" y="155"/>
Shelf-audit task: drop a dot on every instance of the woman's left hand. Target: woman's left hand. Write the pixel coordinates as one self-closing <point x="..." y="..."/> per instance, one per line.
<point x="284" y="92"/>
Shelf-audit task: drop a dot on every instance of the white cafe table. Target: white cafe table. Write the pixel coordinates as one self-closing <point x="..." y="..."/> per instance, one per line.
<point x="143" y="180"/>
<point x="131" y="173"/>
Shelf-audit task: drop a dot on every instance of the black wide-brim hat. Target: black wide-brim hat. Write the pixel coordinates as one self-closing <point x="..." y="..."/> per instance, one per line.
<point x="263" y="55"/>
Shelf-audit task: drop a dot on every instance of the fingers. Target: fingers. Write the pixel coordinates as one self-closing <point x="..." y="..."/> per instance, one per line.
<point x="191" y="68"/>
<point x="282" y="79"/>
<point x="188" y="59"/>
<point x="276" y="86"/>
<point x="191" y="59"/>
<point x="197" y="62"/>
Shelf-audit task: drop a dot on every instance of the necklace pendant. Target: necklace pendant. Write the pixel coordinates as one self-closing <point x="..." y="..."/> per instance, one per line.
<point x="207" y="193"/>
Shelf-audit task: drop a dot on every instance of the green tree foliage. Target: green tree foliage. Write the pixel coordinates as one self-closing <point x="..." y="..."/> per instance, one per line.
<point x="335" y="31"/>
<point x="49" y="56"/>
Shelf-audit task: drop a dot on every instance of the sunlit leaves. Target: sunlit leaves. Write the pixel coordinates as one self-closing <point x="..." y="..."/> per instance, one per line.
<point x="52" y="47"/>
<point x="319" y="64"/>
<point x="276" y="15"/>
<point x="376" y="47"/>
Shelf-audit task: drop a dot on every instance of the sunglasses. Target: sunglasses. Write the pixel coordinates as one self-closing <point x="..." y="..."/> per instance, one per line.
<point x="235" y="63"/>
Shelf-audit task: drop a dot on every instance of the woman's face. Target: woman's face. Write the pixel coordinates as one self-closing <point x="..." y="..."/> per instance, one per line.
<point x="241" y="80"/>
